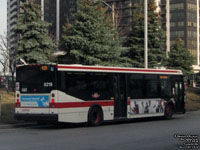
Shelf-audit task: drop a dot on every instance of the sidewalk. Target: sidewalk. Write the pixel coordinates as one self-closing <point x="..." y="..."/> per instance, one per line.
<point x="6" y="126"/>
<point x="6" y="123"/>
<point x="16" y="125"/>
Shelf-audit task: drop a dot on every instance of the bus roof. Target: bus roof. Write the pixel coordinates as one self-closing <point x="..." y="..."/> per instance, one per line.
<point x="62" y="67"/>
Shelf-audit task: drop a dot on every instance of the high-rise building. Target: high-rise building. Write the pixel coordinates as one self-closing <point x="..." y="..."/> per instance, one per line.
<point x="56" y="12"/>
<point x="165" y="16"/>
<point x="123" y="13"/>
<point x="12" y="13"/>
<point x="181" y="20"/>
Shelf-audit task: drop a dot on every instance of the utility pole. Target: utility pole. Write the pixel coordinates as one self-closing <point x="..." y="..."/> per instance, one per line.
<point x="113" y="11"/>
<point x="113" y="15"/>
<point x="42" y="9"/>
<point x="145" y="34"/>
<point x="57" y="20"/>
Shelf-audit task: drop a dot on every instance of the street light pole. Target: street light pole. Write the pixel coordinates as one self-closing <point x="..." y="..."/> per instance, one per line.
<point x="113" y="10"/>
<point x="113" y="14"/>
<point x="145" y="34"/>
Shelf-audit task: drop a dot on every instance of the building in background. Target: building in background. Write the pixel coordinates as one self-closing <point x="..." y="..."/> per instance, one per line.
<point x="123" y="12"/>
<point x="56" y="12"/>
<point x="181" y="20"/>
<point x="12" y="14"/>
<point x="165" y="16"/>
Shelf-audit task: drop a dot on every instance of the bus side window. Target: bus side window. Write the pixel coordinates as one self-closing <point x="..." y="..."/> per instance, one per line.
<point x="176" y="89"/>
<point x="181" y="89"/>
<point x="151" y="86"/>
<point x="62" y="81"/>
<point x="101" y="86"/>
<point x="136" y="86"/>
<point x="165" y="88"/>
<point x="87" y="86"/>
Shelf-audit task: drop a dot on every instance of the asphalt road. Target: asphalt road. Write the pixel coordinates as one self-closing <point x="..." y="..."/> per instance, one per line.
<point x="151" y="134"/>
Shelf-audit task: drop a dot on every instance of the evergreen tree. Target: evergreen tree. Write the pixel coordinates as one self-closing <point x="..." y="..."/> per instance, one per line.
<point x="91" y="39"/>
<point x="135" y="40"/>
<point x="34" y="45"/>
<point x="134" y="43"/>
<point x="156" y="35"/>
<point x="180" y="58"/>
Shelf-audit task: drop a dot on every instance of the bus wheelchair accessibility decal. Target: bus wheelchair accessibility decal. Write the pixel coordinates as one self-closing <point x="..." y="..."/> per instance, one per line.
<point x="35" y="101"/>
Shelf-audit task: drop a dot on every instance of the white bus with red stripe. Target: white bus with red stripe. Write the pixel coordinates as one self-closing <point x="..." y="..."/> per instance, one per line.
<point x="76" y="93"/>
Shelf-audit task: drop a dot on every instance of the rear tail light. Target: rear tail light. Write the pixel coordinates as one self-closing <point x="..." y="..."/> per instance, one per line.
<point x="53" y="100"/>
<point x="17" y="100"/>
<point x="18" y="105"/>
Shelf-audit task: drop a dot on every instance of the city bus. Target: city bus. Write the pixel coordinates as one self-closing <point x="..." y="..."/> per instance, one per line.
<point x="93" y="94"/>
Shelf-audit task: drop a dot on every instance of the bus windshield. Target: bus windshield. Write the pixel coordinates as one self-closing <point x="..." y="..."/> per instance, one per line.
<point x="35" y="79"/>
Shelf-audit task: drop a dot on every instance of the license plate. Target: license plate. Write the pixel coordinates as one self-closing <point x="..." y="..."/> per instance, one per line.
<point x="25" y="110"/>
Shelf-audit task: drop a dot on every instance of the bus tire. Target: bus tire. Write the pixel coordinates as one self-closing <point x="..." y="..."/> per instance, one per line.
<point x="168" y="112"/>
<point x="95" y="116"/>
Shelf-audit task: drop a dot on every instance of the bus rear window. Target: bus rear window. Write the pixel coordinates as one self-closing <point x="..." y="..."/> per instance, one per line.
<point x="34" y="79"/>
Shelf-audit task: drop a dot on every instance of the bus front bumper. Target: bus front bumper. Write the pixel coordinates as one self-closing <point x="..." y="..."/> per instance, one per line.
<point x="37" y="117"/>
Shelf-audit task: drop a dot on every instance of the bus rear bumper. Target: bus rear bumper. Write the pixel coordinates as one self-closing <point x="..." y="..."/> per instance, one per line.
<point x="37" y="117"/>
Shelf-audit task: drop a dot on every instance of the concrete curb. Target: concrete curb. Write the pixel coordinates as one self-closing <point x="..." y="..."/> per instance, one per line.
<point x="17" y="125"/>
<point x="6" y="126"/>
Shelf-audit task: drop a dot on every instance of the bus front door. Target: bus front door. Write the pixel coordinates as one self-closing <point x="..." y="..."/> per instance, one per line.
<point x="178" y="93"/>
<point x="120" y="104"/>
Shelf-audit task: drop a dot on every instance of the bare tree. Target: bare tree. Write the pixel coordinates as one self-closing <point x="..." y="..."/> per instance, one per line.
<point x="122" y="20"/>
<point x="7" y="59"/>
<point x="3" y="53"/>
<point x="118" y="20"/>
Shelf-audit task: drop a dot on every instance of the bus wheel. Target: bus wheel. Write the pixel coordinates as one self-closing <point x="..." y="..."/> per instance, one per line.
<point x="95" y="116"/>
<point x="168" y="112"/>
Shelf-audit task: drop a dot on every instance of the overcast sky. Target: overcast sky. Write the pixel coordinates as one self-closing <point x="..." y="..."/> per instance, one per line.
<point x="3" y="19"/>
<point x="3" y="16"/>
